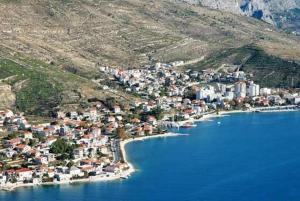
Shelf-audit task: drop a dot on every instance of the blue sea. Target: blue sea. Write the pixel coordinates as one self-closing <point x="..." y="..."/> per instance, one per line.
<point x="245" y="157"/>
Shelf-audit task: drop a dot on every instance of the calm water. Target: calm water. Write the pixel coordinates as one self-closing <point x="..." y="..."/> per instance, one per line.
<point x="248" y="157"/>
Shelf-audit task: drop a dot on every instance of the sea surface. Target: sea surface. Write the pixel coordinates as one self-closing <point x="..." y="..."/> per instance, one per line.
<point x="245" y="157"/>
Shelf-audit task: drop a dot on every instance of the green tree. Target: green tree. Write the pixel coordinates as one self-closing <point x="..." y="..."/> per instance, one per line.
<point x="70" y="164"/>
<point x="63" y="147"/>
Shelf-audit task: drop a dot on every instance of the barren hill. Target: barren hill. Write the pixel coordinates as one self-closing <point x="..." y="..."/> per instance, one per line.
<point x="83" y="33"/>
<point x="78" y="36"/>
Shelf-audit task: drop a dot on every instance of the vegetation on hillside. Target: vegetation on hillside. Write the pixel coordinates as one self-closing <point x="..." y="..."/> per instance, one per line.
<point x="267" y="70"/>
<point x="36" y="93"/>
<point x="272" y="71"/>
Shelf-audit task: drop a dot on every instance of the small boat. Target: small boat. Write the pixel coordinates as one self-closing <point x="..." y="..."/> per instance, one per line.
<point x="124" y="177"/>
<point x="188" y="125"/>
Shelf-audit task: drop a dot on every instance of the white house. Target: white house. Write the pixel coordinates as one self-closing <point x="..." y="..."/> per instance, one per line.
<point x="75" y="172"/>
<point x="62" y="177"/>
<point x="78" y="152"/>
<point x="24" y="174"/>
<point x="2" y="179"/>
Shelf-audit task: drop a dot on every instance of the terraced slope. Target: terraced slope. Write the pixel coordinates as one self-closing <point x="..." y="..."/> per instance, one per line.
<point x="53" y="49"/>
<point x="37" y="88"/>
<point x="83" y="34"/>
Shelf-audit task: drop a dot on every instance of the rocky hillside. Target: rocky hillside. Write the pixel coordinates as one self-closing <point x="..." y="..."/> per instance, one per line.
<point x="81" y="35"/>
<point x="55" y="48"/>
<point x="277" y="12"/>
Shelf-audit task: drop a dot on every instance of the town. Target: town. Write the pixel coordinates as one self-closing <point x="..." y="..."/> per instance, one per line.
<point x="86" y="145"/>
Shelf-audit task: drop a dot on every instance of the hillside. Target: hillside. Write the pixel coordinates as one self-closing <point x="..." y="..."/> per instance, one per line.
<point x="82" y="34"/>
<point x="37" y="88"/>
<point x="267" y="70"/>
<point x="56" y="47"/>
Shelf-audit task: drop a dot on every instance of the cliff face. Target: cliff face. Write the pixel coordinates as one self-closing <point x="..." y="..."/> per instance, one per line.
<point x="271" y="11"/>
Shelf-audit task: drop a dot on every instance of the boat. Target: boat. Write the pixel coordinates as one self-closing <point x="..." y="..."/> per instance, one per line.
<point x="124" y="177"/>
<point x="188" y="125"/>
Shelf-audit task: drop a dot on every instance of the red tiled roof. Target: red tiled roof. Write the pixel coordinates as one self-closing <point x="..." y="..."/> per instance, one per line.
<point x="23" y="170"/>
<point x="21" y="146"/>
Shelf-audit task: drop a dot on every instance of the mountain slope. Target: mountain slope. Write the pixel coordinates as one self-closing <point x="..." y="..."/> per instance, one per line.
<point x="84" y="34"/>
<point x="266" y="70"/>
<point x="70" y="40"/>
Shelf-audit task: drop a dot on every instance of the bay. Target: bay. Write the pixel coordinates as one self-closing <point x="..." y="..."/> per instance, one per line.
<point x="245" y="157"/>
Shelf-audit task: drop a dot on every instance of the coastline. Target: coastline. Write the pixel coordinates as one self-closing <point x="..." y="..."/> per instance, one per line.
<point x="127" y="173"/>
<point x="101" y="178"/>
<point x="125" y="142"/>
<point x="223" y="113"/>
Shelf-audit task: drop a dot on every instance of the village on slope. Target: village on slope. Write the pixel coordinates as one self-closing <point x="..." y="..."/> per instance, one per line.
<point x="84" y="145"/>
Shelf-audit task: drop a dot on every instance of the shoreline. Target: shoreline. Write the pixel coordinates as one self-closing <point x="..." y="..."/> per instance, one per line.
<point x="100" y="178"/>
<point x="223" y="113"/>
<point x="127" y="141"/>
<point x="127" y="173"/>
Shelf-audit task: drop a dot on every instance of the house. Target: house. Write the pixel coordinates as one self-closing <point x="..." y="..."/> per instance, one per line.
<point x="104" y="150"/>
<point x="8" y="114"/>
<point x="75" y="172"/>
<point x="10" y="153"/>
<point x="111" y="119"/>
<point x="148" y="129"/>
<point x="9" y="174"/>
<point x="12" y="143"/>
<point x="103" y="140"/>
<point x="139" y="131"/>
<point x="147" y="108"/>
<point x="23" y="148"/>
<point x="41" y="160"/>
<point x="3" y="178"/>
<point x="86" y="162"/>
<point x="24" y="174"/>
<point x="135" y="120"/>
<point x="110" y="168"/>
<point x="93" y="113"/>
<point x="276" y="99"/>
<point x="51" y="173"/>
<point x="78" y="152"/>
<point x="109" y="129"/>
<point x="51" y="157"/>
<point x="297" y="100"/>
<point x="12" y="128"/>
<point x="73" y="115"/>
<point x="96" y="132"/>
<point x="187" y="101"/>
<point x="86" y="115"/>
<point x="88" y="169"/>
<point x="28" y="135"/>
<point x="152" y="120"/>
<point x="51" y="130"/>
<point x="62" y="177"/>
<point x="117" y="109"/>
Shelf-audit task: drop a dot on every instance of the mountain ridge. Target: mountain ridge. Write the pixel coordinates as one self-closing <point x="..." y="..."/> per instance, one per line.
<point x="271" y="11"/>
